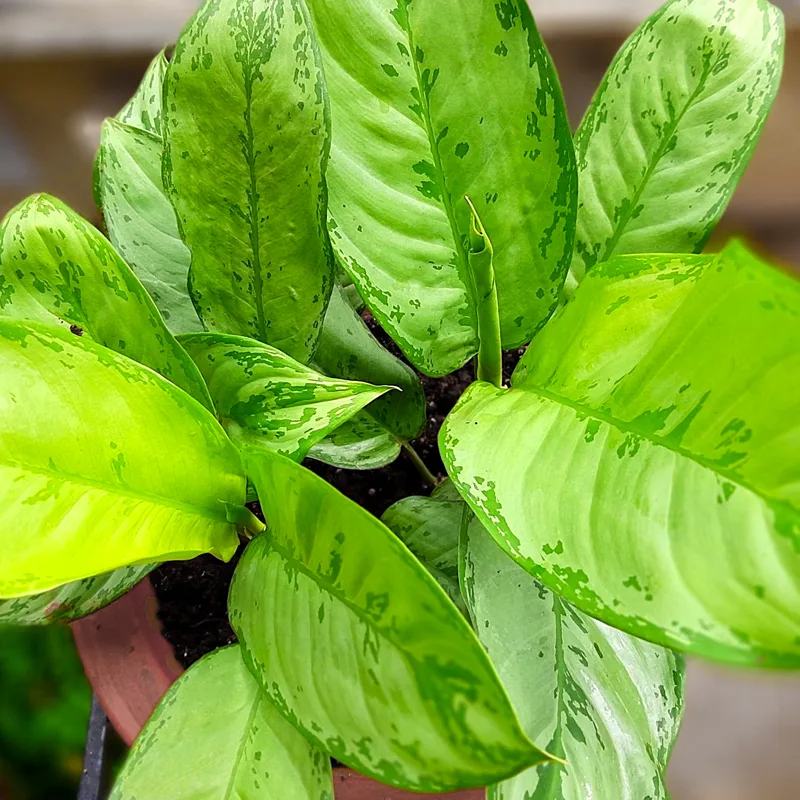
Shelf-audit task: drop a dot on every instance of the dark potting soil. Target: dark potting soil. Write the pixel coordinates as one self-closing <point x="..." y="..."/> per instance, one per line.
<point x="193" y="595"/>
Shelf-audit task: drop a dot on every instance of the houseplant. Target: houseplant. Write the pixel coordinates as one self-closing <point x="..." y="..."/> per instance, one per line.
<point x="292" y="161"/>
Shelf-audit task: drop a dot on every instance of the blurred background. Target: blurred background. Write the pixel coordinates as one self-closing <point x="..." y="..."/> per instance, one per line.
<point x="67" y="64"/>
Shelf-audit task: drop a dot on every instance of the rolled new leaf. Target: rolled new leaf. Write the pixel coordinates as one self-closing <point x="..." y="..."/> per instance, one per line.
<point x="434" y="99"/>
<point x="266" y="399"/>
<point x="645" y="463"/>
<point x="103" y="464"/>
<point x="56" y="268"/>
<point x="144" y="110"/>
<point x="246" y="142"/>
<point x="358" y="646"/>
<point x="609" y="704"/>
<point x="672" y="127"/>
<point x="216" y="736"/>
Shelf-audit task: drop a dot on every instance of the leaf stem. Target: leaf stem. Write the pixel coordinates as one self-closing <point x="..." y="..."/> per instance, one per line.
<point x="481" y="255"/>
<point x="423" y="470"/>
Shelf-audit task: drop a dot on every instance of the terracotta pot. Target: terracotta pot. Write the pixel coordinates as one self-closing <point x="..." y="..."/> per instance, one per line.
<point x="130" y="666"/>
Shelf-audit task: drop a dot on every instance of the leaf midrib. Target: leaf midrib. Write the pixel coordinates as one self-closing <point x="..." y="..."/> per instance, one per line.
<point x="661" y="151"/>
<point x="242" y="745"/>
<point x="660" y="441"/>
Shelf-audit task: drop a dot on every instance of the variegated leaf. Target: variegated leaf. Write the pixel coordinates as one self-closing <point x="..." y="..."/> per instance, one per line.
<point x="361" y="443"/>
<point x="645" y="463"/>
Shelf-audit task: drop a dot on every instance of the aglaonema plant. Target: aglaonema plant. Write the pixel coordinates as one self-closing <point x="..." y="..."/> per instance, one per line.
<point x="631" y="496"/>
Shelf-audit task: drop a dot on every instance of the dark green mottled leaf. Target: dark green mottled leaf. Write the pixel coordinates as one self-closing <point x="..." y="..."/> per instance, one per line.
<point x="56" y="268"/>
<point x="143" y="110"/>
<point x="429" y="527"/>
<point x="432" y="100"/>
<point x="141" y="221"/>
<point x="609" y="704"/>
<point x="266" y="399"/>
<point x="215" y="736"/>
<point x="362" y="443"/>
<point x="673" y="126"/>
<point x="103" y="464"/>
<point x="348" y="350"/>
<point x="72" y="600"/>
<point x="645" y="463"/>
<point x="246" y="142"/>
<point x="360" y="648"/>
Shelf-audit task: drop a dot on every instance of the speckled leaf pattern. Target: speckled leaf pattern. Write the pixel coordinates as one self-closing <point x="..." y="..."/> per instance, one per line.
<point x="429" y="527"/>
<point x="361" y="443"/>
<point x="141" y="221"/>
<point x="55" y="267"/>
<point x="360" y="648"/>
<point x="432" y="100"/>
<point x="143" y="110"/>
<point x="673" y="126"/>
<point x="266" y="399"/>
<point x="246" y="142"/>
<point x="645" y="465"/>
<point x="347" y="349"/>
<point x="215" y="736"/>
<point x="72" y="600"/>
<point x="103" y="464"/>
<point x="609" y="704"/>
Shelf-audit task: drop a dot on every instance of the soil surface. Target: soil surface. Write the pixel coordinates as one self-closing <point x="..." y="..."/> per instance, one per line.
<point x="193" y="595"/>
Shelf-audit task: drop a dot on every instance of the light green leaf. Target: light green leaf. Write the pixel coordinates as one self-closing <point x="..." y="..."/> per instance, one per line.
<point x="425" y="113"/>
<point x="141" y="221"/>
<point x="246" y="143"/>
<point x="56" y="268"/>
<point x="645" y="464"/>
<point x="360" y="648"/>
<point x="361" y="443"/>
<point x="429" y="527"/>
<point x="607" y="703"/>
<point x="103" y="464"/>
<point x="673" y="126"/>
<point x="215" y="736"/>
<point x="143" y="110"/>
<point x="348" y="350"/>
<point x="72" y="600"/>
<point x="266" y="399"/>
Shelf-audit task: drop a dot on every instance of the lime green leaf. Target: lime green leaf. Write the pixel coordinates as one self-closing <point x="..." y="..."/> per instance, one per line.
<point x="246" y="142"/>
<point x="266" y="399"/>
<point x="215" y="736"/>
<point x="429" y="527"/>
<point x="645" y="465"/>
<point x="72" y="600"/>
<point x="434" y="99"/>
<point x="361" y="443"/>
<point x="141" y="221"/>
<point x="673" y="126"/>
<point x="359" y="647"/>
<point x="56" y="268"/>
<point x="103" y="464"/>
<point x="348" y="350"/>
<point x="143" y="110"/>
<point x="608" y="703"/>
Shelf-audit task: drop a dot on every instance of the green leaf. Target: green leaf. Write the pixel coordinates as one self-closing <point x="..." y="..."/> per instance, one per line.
<point x="141" y="221"/>
<point x="607" y="703"/>
<point x="103" y="464"/>
<point x="429" y="527"/>
<point x="348" y="350"/>
<point x="266" y="399"/>
<point x="425" y="113"/>
<point x="246" y="143"/>
<point x="673" y="126"/>
<point x="215" y="736"/>
<point x="143" y="110"/>
<point x="361" y="443"/>
<point x="360" y="648"/>
<point x="56" y="268"/>
<point x="644" y="465"/>
<point x="72" y="600"/>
